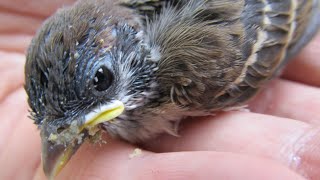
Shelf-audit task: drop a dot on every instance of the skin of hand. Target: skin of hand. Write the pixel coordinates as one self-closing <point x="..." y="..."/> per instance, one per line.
<point x="278" y="139"/>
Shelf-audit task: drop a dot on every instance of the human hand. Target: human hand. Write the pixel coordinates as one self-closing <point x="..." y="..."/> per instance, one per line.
<point x="279" y="139"/>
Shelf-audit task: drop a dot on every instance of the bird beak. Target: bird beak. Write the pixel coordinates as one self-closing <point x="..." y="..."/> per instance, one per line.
<point x="58" y="148"/>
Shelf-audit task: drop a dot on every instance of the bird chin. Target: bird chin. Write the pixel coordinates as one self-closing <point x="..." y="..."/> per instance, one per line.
<point x="58" y="148"/>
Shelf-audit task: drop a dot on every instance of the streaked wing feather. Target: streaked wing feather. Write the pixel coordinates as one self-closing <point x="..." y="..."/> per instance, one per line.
<point x="276" y="30"/>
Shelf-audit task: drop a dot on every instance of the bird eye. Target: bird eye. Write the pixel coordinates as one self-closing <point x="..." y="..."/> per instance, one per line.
<point x="103" y="79"/>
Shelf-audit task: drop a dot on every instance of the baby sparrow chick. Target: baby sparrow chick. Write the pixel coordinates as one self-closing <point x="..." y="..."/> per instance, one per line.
<point x="137" y="69"/>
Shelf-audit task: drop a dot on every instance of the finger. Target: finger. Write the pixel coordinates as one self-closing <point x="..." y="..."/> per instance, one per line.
<point x="33" y="7"/>
<point x="11" y="73"/>
<point x="306" y="66"/>
<point x="183" y="165"/>
<point x="18" y="24"/>
<point x="14" y="43"/>
<point x="293" y="143"/>
<point x="19" y="139"/>
<point x="290" y="100"/>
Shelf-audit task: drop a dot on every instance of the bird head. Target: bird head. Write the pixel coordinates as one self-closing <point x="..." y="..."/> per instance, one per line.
<point x="83" y="68"/>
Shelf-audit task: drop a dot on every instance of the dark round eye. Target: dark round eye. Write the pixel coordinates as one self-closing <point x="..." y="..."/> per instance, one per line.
<point x="103" y="79"/>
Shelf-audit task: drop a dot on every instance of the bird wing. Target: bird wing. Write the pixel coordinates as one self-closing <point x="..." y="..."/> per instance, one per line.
<point x="275" y="32"/>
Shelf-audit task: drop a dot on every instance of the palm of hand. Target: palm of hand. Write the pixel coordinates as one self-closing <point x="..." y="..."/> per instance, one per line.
<point x="278" y="139"/>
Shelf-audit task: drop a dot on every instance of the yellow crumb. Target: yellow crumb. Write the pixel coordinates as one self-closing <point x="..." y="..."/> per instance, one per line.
<point x="53" y="137"/>
<point x="136" y="153"/>
<point x="101" y="41"/>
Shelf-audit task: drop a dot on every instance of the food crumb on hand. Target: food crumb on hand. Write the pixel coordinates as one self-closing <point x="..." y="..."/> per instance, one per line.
<point x="136" y="152"/>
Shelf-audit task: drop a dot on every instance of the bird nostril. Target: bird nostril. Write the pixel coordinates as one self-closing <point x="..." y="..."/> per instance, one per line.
<point x="60" y="129"/>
